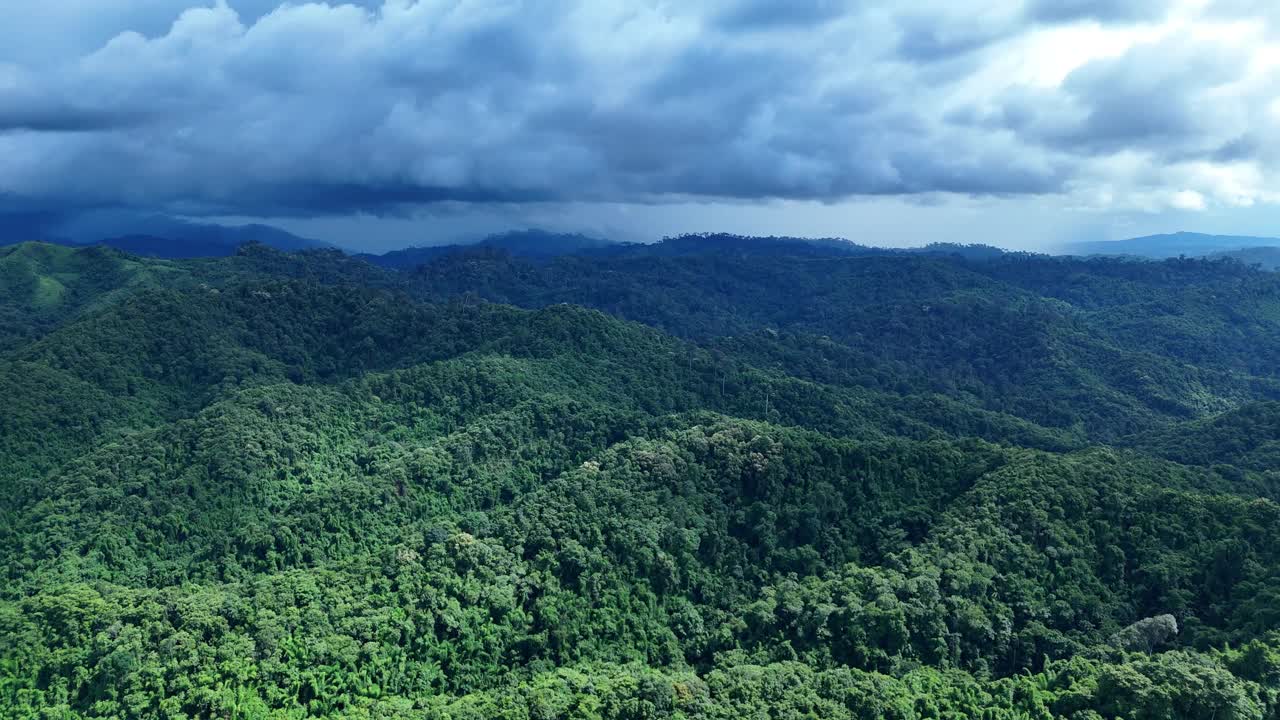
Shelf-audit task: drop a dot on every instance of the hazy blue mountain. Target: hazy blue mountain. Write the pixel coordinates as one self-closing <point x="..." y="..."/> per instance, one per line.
<point x="532" y="244"/>
<point x="1268" y="258"/>
<point x="540" y="245"/>
<point x="413" y="256"/>
<point x="1170" y="245"/>
<point x="17" y="227"/>
<point x="145" y="234"/>
<point x="975" y="251"/>
<point x="162" y="247"/>
<point x="740" y="245"/>
<point x="207" y="241"/>
<point x="722" y="243"/>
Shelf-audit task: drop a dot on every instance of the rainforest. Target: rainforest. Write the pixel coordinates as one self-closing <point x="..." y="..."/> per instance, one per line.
<point x="711" y="477"/>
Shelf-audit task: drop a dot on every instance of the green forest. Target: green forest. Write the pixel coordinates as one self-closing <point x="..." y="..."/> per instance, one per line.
<point x="714" y="477"/>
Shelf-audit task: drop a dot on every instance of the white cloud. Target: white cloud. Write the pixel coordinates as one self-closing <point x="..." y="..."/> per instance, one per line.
<point x="1188" y="200"/>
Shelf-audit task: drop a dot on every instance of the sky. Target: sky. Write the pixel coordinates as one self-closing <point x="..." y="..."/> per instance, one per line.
<point x="375" y="125"/>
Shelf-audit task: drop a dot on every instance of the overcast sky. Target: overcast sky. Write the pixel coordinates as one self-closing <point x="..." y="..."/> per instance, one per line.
<point x="378" y="124"/>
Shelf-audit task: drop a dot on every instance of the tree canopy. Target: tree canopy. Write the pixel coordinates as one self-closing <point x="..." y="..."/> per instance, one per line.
<point x="716" y="480"/>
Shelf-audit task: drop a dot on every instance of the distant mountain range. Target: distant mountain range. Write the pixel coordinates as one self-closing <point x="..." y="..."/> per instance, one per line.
<point x="1268" y="258"/>
<point x="199" y="240"/>
<point x="542" y="245"/>
<point x="148" y="235"/>
<point x="520" y="243"/>
<point x="1172" y="245"/>
<point x="164" y="237"/>
<point x="160" y="236"/>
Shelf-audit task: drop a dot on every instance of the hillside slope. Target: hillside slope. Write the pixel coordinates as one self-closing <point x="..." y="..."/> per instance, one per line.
<point x="1104" y="347"/>
<point x="287" y="485"/>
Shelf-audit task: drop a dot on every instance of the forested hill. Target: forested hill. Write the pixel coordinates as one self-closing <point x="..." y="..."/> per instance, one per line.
<point x="725" y="479"/>
<point x="1100" y="347"/>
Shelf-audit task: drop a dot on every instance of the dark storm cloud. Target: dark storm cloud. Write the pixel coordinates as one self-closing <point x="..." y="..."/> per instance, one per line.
<point x="28" y="105"/>
<point x="247" y="107"/>
<point x="64" y="118"/>
<point x="304" y="199"/>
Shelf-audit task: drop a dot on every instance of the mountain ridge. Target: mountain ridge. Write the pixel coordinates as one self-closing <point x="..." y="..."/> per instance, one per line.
<point x="148" y="235"/>
<point x="1171" y="245"/>
<point x="712" y="484"/>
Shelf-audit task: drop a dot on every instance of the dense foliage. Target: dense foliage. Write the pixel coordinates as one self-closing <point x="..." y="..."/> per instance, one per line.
<point x="831" y="483"/>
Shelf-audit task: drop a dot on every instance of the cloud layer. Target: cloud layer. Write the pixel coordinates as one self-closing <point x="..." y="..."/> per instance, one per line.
<point x="252" y="109"/>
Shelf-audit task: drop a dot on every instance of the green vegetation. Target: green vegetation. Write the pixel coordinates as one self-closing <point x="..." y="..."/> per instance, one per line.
<point x="744" y="485"/>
